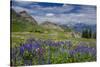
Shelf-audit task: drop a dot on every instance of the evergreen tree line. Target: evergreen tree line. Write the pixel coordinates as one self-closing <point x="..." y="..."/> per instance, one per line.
<point x="88" y="33"/>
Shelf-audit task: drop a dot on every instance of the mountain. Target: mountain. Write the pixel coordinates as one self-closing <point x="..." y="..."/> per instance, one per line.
<point x="22" y="21"/>
<point x="51" y="25"/>
<point x="27" y="17"/>
<point x="66" y="28"/>
<point x="79" y="27"/>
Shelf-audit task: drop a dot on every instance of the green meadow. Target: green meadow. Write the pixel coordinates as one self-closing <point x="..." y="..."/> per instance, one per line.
<point x="48" y="43"/>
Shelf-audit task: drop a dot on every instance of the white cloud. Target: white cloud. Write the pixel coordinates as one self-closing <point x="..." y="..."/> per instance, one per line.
<point x="88" y="10"/>
<point x="54" y="9"/>
<point x="18" y="9"/>
<point x="49" y="14"/>
<point x="67" y="18"/>
<point x="87" y="14"/>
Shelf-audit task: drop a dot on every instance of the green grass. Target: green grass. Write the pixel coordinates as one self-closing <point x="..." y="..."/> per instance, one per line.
<point x="20" y="37"/>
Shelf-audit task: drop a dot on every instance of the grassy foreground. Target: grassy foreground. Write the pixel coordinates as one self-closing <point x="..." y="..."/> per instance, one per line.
<point x="30" y="48"/>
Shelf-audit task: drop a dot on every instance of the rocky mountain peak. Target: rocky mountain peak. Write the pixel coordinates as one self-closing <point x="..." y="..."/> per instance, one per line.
<point x="27" y="17"/>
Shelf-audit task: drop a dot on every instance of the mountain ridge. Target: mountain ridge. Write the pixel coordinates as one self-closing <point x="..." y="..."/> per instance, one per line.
<point x="20" y="23"/>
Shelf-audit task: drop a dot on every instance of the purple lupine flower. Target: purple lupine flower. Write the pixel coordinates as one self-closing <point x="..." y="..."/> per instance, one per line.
<point x="27" y="46"/>
<point x="48" y="42"/>
<point x="58" y="43"/>
<point x="72" y="52"/>
<point x="85" y="50"/>
<point x="22" y="49"/>
<point x="35" y="45"/>
<point x="61" y="43"/>
<point x="40" y="51"/>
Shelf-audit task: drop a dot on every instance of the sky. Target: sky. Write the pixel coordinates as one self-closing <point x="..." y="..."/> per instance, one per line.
<point x="57" y="12"/>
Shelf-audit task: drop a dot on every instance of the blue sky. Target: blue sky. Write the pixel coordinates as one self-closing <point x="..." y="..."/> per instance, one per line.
<point x="57" y="12"/>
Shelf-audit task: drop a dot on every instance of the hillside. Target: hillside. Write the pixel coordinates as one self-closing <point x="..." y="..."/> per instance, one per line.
<point x="21" y="23"/>
<point x="51" y="26"/>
